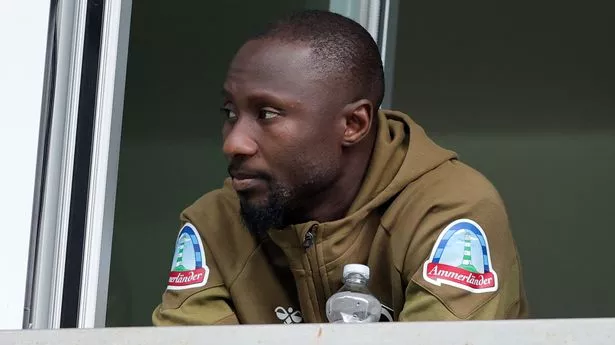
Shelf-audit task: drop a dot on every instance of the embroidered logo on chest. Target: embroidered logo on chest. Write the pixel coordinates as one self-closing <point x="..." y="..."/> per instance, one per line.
<point x="288" y="315"/>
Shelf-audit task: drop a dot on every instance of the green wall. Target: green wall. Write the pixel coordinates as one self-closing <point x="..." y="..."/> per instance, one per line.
<point x="524" y="94"/>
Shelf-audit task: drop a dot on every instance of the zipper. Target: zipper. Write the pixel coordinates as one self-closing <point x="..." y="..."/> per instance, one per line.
<point x="309" y="242"/>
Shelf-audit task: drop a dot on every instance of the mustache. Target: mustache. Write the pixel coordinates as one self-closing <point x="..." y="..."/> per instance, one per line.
<point x="237" y="170"/>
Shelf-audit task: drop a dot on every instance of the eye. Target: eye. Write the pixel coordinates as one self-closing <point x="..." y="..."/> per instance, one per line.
<point x="268" y="113"/>
<point x="229" y="113"/>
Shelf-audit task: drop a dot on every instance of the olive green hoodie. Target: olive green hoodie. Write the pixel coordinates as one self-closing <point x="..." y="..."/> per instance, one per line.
<point x="433" y="231"/>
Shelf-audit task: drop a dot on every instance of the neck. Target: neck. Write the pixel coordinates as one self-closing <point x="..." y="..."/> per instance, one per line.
<point x="332" y="203"/>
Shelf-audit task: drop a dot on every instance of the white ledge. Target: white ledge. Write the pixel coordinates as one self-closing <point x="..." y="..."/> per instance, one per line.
<point x="530" y="332"/>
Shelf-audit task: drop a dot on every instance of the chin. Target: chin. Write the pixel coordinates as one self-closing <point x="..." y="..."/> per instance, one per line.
<point x="253" y="200"/>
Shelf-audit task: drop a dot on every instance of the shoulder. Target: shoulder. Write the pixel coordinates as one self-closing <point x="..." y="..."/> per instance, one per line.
<point x="216" y="217"/>
<point x="211" y="249"/>
<point x="451" y="236"/>
<point x="459" y="180"/>
<point x="215" y="206"/>
<point x="452" y="186"/>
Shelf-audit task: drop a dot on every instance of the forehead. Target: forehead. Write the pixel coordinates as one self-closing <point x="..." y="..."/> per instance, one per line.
<point x="274" y="66"/>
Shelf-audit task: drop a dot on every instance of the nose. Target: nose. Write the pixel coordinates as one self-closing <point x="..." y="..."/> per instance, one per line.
<point x="238" y="141"/>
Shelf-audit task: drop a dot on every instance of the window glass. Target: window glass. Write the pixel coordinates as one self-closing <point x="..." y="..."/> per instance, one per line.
<point x="524" y="93"/>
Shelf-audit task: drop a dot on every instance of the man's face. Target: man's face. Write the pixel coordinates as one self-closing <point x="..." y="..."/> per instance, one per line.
<point x="282" y="134"/>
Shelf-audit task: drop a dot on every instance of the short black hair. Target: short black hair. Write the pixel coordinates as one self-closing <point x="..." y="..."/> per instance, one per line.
<point x="340" y="45"/>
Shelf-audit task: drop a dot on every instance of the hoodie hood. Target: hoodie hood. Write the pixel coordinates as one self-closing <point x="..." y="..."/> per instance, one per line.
<point x="402" y="153"/>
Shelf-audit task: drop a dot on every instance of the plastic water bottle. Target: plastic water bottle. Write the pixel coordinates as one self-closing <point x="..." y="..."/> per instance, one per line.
<point x="353" y="303"/>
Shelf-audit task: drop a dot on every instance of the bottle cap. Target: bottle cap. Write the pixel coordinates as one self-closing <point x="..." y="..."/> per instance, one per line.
<point x="356" y="268"/>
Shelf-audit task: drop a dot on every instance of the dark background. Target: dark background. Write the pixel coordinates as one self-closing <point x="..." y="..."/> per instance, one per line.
<point x="522" y="91"/>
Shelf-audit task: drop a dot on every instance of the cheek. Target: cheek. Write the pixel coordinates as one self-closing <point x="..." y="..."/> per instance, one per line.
<point x="315" y="143"/>
<point x="317" y="156"/>
<point x="302" y="152"/>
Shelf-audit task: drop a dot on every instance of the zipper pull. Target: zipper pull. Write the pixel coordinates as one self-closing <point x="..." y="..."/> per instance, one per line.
<point x="308" y="240"/>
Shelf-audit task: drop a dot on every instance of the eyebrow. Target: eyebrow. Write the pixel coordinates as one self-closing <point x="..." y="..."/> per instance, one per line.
<point x="261" y="95"/>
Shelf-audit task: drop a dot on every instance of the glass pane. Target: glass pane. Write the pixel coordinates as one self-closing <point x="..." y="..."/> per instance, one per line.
<point x="525" y="94"/>
<point x="171" y="145"/>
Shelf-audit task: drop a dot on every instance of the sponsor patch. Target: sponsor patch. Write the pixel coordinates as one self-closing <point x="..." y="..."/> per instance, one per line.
<point x="188" y="269"/>
<point x="461" y="258"/>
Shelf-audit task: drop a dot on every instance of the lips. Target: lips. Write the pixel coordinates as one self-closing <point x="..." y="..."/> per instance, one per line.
<point x="243" y="180"/>
<point x="245" y="184"/>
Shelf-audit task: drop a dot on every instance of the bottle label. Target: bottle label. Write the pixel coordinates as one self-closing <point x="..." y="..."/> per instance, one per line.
<point x="386" y="314"/>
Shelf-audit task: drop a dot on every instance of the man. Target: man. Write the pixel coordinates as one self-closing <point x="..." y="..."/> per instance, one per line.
<point x="320" y="178"/>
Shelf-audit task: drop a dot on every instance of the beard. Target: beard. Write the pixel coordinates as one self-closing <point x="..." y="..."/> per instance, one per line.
<point x="270" y="214"/>
<point x="286" y="203"/>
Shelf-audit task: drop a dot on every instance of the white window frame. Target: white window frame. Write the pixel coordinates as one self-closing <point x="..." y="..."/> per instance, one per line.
<point x="105" y="159"/>
<point x="46" y="295"/>
<point x="105" y="156"/>
<point x="47" y="288"/>
<point x="23" y="35"/>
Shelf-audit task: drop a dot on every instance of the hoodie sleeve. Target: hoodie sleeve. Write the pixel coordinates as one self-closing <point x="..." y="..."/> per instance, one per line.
<point x="196" y="293"/>
<point x="462" y="263"/>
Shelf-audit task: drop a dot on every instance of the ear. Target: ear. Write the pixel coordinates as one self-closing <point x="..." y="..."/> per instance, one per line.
<point x="358" y="121"/>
